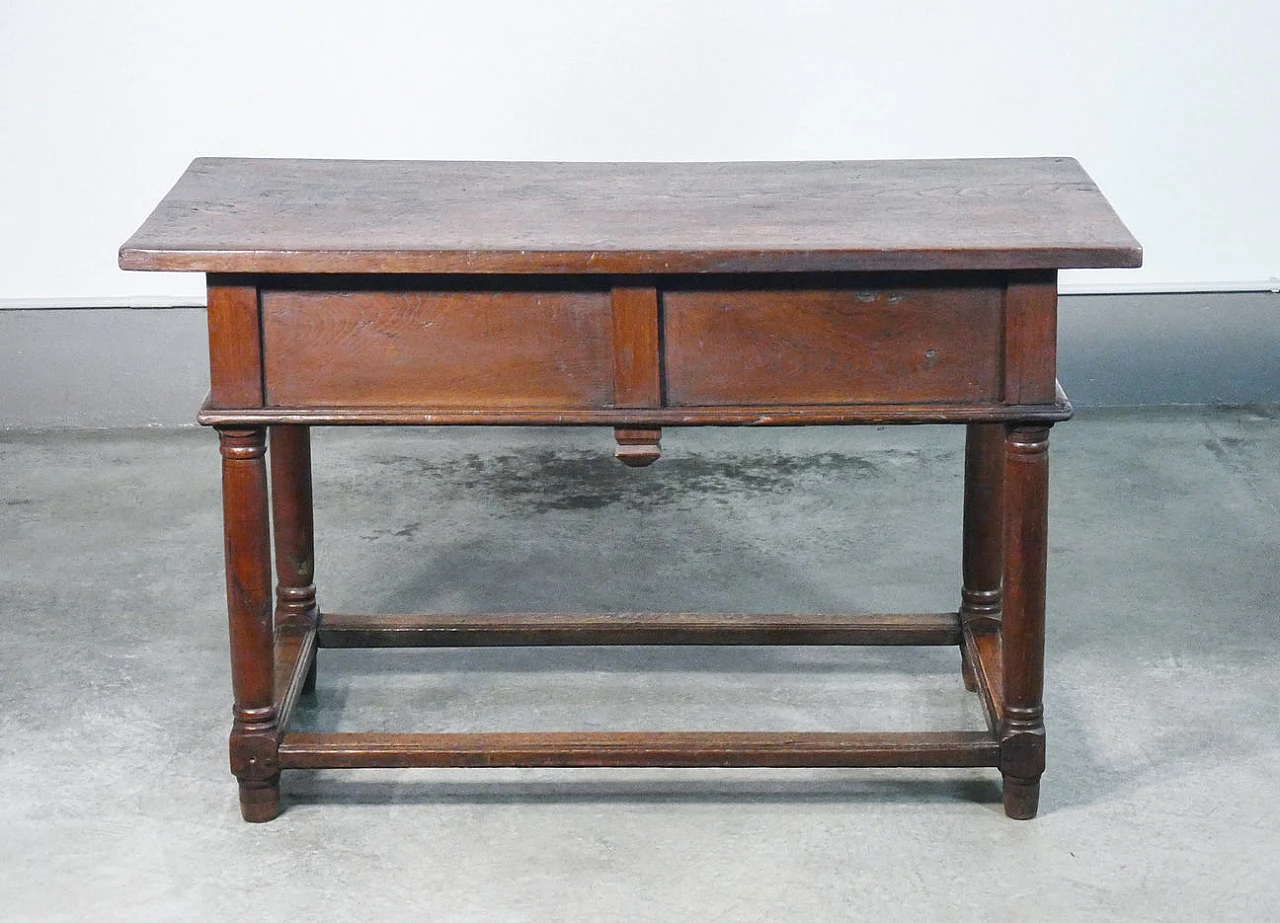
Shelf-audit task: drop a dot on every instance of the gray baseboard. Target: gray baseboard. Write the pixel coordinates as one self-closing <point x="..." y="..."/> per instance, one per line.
<point x="102" y="368"/>
<point x="115" y="367"/>
<point x="1182" y="348"/>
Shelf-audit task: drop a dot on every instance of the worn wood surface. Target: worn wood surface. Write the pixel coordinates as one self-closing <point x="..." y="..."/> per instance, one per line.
<point x="306" y="750"/>
<point x="1026" y="546"/>
<point x="1030" y="337"/>
<point x="512" y="629"/>
<point x="760" y="415"/>
<point x="637" y="447"/>
<point x="327" y="216"/>
<point x="295" y="655"/>
<point x="293" y="525"/>
<point x="473" y="350"/>
<point x="902" y="344"/>
<point x="982" y="548"/>
<point x="982" y="644"/>
<point x="637" y="350"/>
<point x="982" y="536"/>
<point x="247" y="534"/>
<point x="635" y="296"/>
<point x="293" y="532"/>
<point x="235" y="343"/>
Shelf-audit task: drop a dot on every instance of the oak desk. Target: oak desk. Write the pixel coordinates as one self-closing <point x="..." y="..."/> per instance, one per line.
<point x="635" y="296"/>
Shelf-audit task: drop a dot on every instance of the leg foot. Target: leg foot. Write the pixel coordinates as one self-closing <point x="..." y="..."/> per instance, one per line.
<point x="1021" y="797"/>
<point x="260" y="801"/>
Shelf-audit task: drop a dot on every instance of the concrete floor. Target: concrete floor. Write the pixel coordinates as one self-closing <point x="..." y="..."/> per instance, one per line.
<point x="1163" y="681"/>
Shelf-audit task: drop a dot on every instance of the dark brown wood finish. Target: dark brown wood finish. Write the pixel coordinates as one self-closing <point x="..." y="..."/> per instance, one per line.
<point x="334" y="216"/>
<point x="557" y="629"/>
<point x="982" y="553"/>
<point x="633" y="296"/>
<point x="294" y="531"/>
<point x="637" y="370"/>
<point x="247" y="531"/>
<point x="637" y="378"/>
<point x="235" y="346"/>
<point x="640" y="748"/>
<point x="295" y="652"/>
<point x="982" y="645"/>
<point x="1031" y="325"/>
<point x="1026" y="509"/>
<point x="451" y="349"/>
<point x="638" y="446"/>
<point x="982" y="563"/>
<point x="756" y="415"/>
<point x="908" y="344"/>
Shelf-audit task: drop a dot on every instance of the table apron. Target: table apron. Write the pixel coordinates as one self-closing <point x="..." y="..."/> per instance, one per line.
<point x="634" y="351"/>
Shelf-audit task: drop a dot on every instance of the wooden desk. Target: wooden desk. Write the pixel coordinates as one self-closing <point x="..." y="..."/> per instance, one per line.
<point x="635" y="296"/>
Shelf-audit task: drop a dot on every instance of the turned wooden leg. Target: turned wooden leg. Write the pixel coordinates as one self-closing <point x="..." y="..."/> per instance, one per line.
<point x="982" y="563"/>
<point x="1026" y="499"/>
<point x="294" y="532"/>
<point x="247" y="531"/>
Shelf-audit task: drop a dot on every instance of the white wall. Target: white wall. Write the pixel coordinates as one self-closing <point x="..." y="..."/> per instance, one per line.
<point x="1172" y="106"/>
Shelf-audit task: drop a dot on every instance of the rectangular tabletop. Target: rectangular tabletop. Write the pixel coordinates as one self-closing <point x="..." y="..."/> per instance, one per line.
<point x="232" y="215"/>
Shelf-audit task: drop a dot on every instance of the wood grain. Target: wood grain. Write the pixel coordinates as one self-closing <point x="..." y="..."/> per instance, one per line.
<point x="757" y="415"/>
<point x="293" y="525"/>
<point x="668" y="749"/>
<point x="983" y="647"/>
<point x="637" y="378"/>
<point x="334" y="216"/>
<point x="635" y="296"/>
<point x="295" y="653"/>
<point x="1031" y="337"/>
<point x="464" y="349"/>
<point x="529" y="629"/>
<point x="235" y="343"/>
<point x="909" y="343"/>
<point x="247" y="536"/>
<point x="1026" y="546"/>
<point x="982" y="549"/>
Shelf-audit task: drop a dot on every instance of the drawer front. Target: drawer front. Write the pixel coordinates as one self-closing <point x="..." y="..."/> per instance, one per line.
<point x="832" y="346"/>
<point x="460" y="349"/>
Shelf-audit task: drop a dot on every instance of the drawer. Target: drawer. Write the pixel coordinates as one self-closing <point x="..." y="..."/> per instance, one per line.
<point x="809" y="346"/>
<point x="475" y="350"/>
